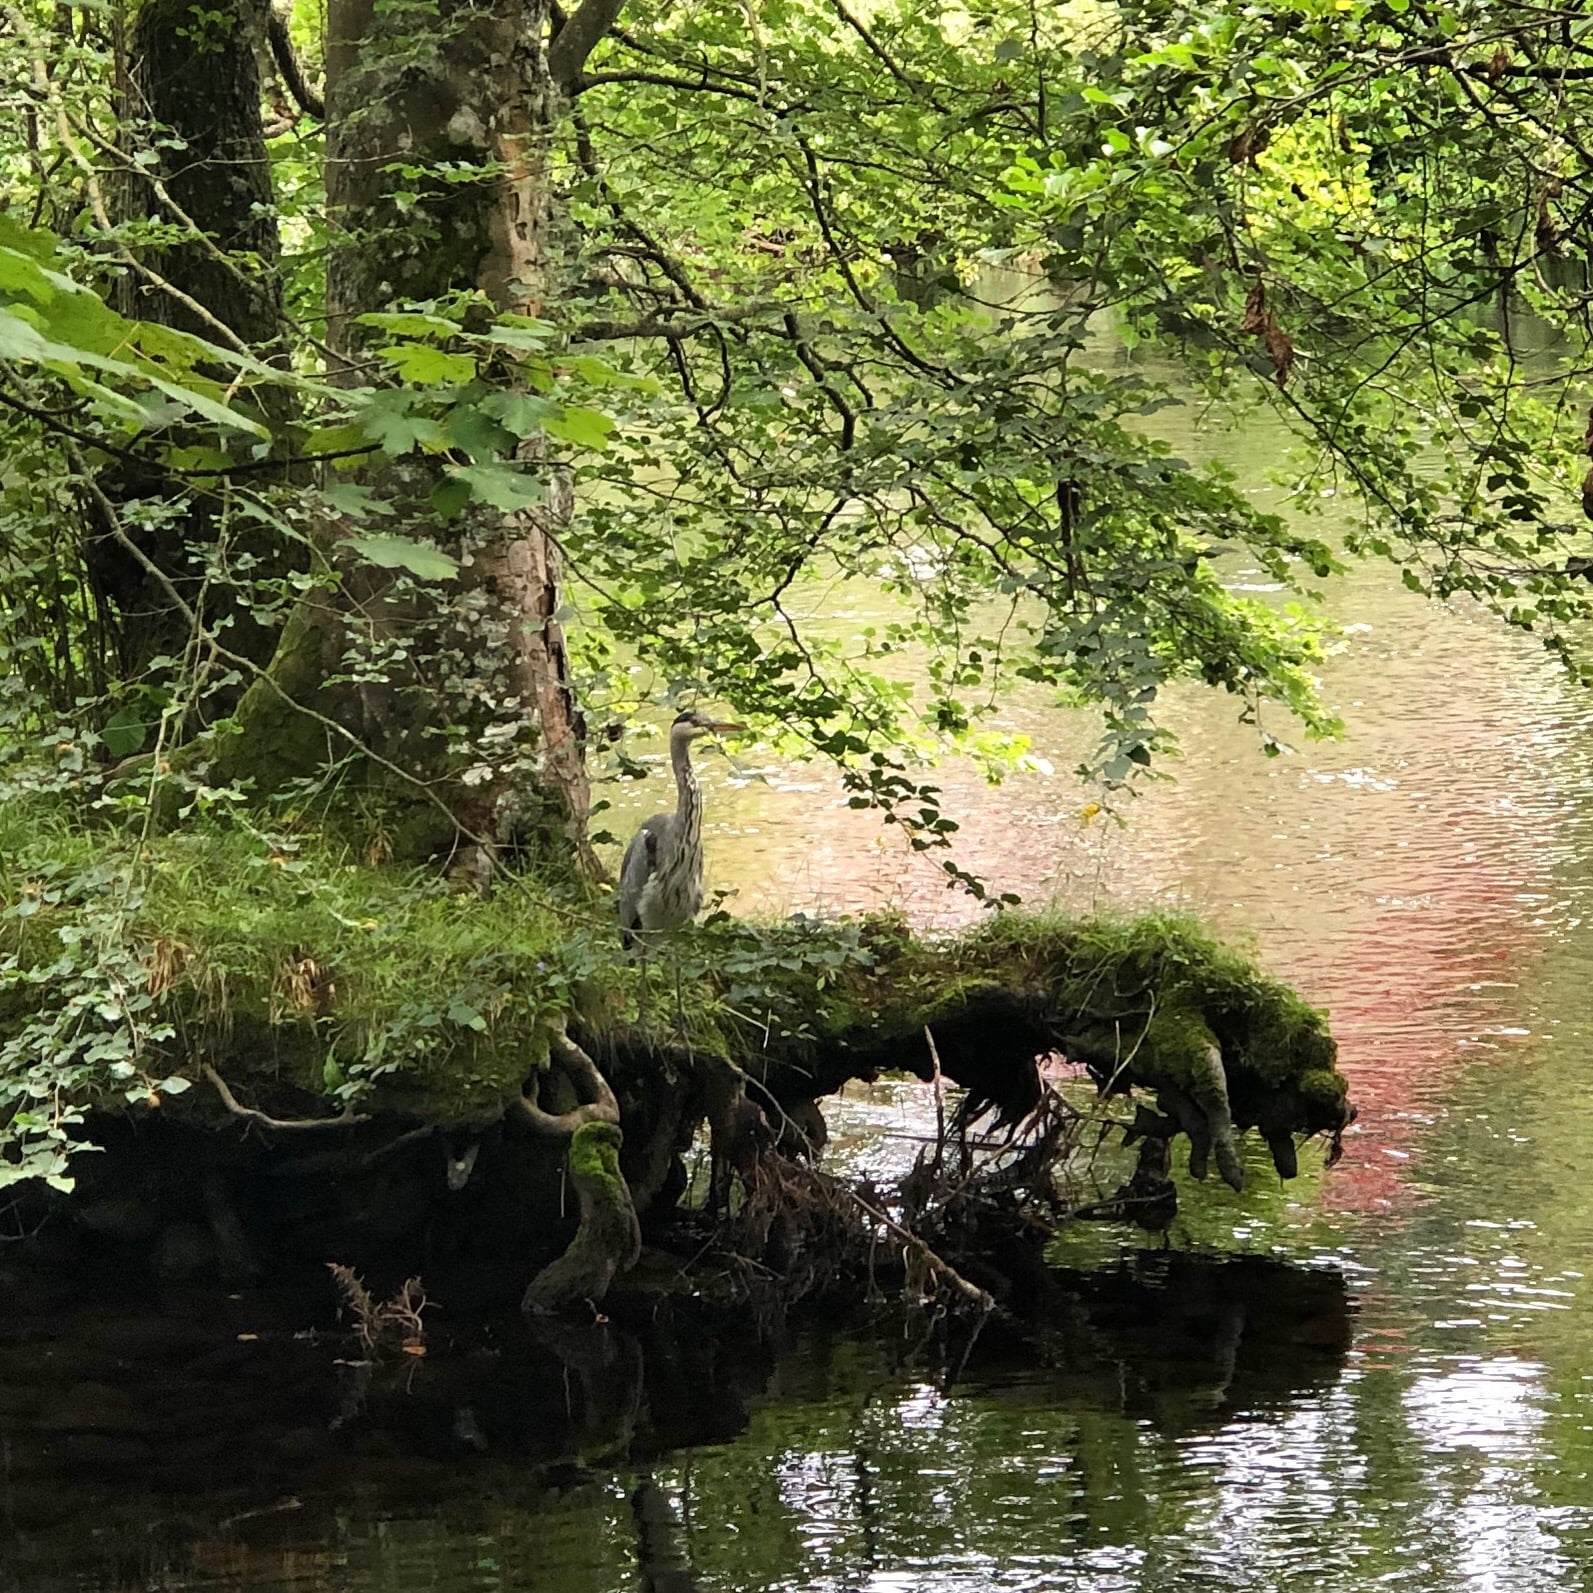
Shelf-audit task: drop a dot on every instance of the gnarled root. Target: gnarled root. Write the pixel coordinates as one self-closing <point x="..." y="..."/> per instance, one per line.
<point x="608" y="1240"/>
<point x="1208" y="1084"/>
<point x="1198" y="1100"/>
<point x="596" y="1100"/>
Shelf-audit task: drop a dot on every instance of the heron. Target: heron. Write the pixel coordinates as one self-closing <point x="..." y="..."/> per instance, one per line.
<point x="661" y="877"/>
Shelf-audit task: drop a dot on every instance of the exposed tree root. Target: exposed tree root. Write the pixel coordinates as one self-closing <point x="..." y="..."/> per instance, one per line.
<point x="345" y="1119"/>
<point x="598" y="1106"/>
<point x="609" y="1238"/>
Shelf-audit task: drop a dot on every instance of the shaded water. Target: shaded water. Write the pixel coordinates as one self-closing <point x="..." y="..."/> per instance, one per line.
<point x="1407" y="1403"/>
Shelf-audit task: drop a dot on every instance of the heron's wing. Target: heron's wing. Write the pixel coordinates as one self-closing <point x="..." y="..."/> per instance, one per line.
<point x="639" y="866"/>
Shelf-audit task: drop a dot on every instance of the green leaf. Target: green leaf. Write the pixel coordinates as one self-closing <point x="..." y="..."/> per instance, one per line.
<point x="348" y="498"/>
<point x="389" y="422"/>
<point x="522" y="414"/>
<point x="522" y="339"/>
<point x="410" y="323"/>
<point x="124" y="732"/>
<point x="209" y="408"/>
<point x="336" y="439"/>
<point x="404" y="553"/>
<point x="473" y="428"/>
<point x="19" y="339"/>
<point x="427" y="366"/>
<point x="500" y="486"/>
<point x="199" y="458"/>
<point x="450" y="496"/>
<point x="599" y="373"/>
<point x="465" y="1016"/>
<point x="524" y="332"/>
<point x="25" y="240"/>
<point x="585" y="428"/>
<point x="19" y="274"/>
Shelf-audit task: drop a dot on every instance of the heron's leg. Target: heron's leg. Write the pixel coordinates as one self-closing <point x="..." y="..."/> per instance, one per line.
<point x="642" y="964"/>
<point x="680" y="1001"/>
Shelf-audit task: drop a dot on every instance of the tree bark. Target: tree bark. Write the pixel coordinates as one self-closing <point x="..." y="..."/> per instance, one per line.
<point x="197" y="166"/>
<point x="463" y="688"/>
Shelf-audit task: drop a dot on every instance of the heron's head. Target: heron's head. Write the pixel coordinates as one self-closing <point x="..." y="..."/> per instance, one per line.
<point x="691" y="724"/>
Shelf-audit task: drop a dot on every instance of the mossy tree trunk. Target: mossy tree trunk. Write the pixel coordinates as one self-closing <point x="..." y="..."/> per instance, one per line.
<point x="439" y="126"/>
<point x="197" y="204"/>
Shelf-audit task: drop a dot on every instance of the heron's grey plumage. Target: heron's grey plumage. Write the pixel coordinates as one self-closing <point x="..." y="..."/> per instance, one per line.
<point x="661" y="876"/>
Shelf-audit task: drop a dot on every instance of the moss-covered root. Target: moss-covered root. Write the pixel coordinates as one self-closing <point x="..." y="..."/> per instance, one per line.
<point x="608" y="1239"/>
<point x="1208" y="1083"/>
<point x="1198" y="1094"/>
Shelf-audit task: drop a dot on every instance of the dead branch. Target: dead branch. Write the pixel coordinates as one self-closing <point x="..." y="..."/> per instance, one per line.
<point x="934" y="1264"/>
<point x="348" y="1118"/>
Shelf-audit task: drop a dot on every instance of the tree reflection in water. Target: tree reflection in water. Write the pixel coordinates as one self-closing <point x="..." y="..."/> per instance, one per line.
<point x="683" y="1450"/>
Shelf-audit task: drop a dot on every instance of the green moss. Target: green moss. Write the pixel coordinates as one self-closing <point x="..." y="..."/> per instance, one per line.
<point x="312" y="977"/>
<point x="1167" y="983"/>
<point x="293" y="967"/>
<point x="1175" y="1045"/>
<point x="594" y="1161"/>
<point x="1321" y="1084"/>
<point x="270" y="739"/>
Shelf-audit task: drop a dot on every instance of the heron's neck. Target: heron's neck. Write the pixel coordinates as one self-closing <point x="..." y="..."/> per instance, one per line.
<point x="688" y="807"/>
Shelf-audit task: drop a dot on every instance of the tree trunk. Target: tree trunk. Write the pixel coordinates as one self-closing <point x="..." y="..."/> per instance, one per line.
<point x="198" y="167"/>
<point x="463" y="687"/>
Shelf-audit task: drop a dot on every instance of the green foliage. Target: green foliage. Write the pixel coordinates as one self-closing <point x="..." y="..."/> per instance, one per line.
<point x="927" y="397"/>
<point x="49" y="323"/>
<point x="828" y="299"/>
<point x="301" y="974"/>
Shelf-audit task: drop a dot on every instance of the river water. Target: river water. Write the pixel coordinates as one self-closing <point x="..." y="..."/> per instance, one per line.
<point x="1379" y="1375"/>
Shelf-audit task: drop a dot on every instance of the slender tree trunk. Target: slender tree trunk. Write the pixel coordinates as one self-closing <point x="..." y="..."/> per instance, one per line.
<point x="197" y="168"/>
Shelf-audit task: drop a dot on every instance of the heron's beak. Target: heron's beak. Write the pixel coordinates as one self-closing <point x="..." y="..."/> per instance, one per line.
<point x="723" y="727"/>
